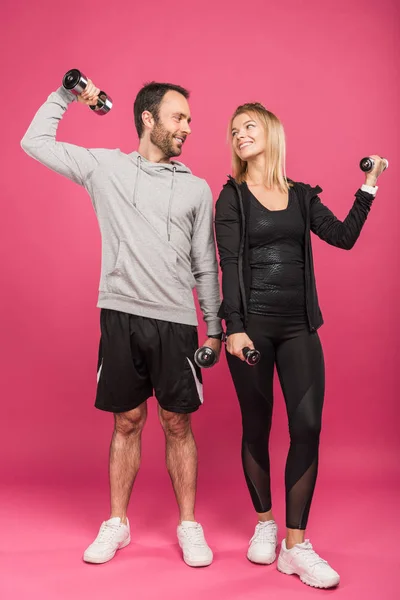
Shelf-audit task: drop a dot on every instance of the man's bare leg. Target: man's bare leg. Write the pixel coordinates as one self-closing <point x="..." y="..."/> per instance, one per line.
<point x="125" y="453"/>
<point x="181" y="458"/>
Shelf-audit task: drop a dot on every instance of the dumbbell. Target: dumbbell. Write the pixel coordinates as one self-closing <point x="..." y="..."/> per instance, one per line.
<point x="75" y="81"/>
<point x="205" y="357"/>
<point x="368" y="163"/>
<point x="252" y="357"/>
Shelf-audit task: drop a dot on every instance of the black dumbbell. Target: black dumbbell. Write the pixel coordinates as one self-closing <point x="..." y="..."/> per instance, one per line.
<point x="368" y="163"/>
<point x="75" y="81"/>
<point x="205" y="357"/>
<point x="252" y="357"/>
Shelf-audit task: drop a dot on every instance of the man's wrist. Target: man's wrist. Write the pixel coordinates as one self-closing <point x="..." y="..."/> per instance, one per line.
<point x="216" y="336"/>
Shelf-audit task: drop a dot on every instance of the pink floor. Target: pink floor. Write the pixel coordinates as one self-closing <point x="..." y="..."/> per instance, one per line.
<point x="45" y="528"/>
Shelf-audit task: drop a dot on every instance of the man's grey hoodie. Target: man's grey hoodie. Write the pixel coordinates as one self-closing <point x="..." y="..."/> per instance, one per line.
<point x="155" y="219"/>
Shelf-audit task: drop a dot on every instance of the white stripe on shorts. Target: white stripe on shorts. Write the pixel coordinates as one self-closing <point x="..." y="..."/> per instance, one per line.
<point x="199" y="385"/>
<point x="99" y="371"/>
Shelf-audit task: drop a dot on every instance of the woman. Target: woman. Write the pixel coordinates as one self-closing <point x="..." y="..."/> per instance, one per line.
<point x="263" y="224"/>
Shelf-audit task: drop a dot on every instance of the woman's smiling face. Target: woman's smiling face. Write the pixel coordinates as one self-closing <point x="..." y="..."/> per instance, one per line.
<point x="248" y="136"/>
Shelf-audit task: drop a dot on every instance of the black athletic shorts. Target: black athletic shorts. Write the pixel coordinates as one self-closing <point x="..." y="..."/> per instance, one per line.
<point x="139" y="356"/>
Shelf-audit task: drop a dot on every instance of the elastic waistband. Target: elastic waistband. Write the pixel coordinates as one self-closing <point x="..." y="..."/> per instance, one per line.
<point x="152" y="310"/>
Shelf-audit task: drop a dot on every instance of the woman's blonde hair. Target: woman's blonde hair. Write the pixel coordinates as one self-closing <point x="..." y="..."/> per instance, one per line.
<point x="276" y="147"/>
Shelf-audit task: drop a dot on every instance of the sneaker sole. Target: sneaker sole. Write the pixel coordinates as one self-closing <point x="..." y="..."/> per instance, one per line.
<point x="96" y="560"/>
<point x="311" y="581"/>
<point x="262" y="561"/>
<point x="198" y="563"/>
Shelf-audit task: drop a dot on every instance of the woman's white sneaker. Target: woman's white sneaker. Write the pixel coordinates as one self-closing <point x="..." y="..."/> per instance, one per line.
<point x="113" y="535"/>
<point x="262" y="546"/>
<point x="196" y="552"/>
<point x="305" y="562"/>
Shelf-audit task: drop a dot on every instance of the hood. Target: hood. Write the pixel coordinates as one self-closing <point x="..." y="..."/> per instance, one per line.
<point x="308" y="189"/>
<point x="154" y="168"/>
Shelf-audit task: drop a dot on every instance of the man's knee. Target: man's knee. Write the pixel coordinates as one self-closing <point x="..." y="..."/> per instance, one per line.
<point x="131" y="422"/>
<point x="175" y="425"/>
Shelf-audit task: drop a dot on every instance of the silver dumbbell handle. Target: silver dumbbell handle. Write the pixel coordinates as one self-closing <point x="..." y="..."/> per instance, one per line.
<point x="75" y="81"/>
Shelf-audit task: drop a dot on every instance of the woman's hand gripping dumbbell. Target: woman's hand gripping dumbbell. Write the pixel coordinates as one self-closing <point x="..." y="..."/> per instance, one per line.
<point x="368" y="163"/>
<point x="373" y="166"/>
<point x="241" y="346"/>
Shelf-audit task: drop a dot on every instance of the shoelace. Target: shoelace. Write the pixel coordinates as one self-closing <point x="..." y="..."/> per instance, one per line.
<point x="265" y="532"/>
<point x="309" y="555"/>
<point x="106" y="533"/>
<point x="195" y="535"/>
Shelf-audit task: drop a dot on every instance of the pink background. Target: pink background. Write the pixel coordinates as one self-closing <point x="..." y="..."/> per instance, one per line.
<point x="329" y="72"/>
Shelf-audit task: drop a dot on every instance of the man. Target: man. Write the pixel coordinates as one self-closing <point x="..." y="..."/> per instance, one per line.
<point x="155" y="219"/>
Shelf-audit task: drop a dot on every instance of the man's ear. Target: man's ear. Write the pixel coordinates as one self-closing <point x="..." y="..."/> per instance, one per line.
<point x="148" y="119"/>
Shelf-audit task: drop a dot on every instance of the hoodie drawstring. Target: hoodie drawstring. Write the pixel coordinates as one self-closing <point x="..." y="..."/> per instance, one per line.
<point x="137" y="179"/>
<point x="135" y="190"/>
<point x="170" y="205"/>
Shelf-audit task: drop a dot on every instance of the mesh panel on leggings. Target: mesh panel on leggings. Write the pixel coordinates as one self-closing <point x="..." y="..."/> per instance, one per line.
<point x="257" y="473"/>
<point x="302" y="461"/>
<point x="298" y="498"/>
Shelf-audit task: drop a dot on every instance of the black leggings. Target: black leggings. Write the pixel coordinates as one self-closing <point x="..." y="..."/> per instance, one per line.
<point x="298" y="356"/>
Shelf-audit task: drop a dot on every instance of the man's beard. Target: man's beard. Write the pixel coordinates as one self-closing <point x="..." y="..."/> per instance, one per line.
<point x="164" y="140"/>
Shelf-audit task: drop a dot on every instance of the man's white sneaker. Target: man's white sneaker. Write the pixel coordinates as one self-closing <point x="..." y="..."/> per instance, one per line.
<point x="262" y="548"/>
<point x="311" y="568"/>
<point x="113" y="535"/>
<point x="196" y="552"/>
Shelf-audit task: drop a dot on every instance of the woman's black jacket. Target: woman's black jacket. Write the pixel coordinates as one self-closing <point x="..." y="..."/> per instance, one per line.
<point x="232" y="212"/>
